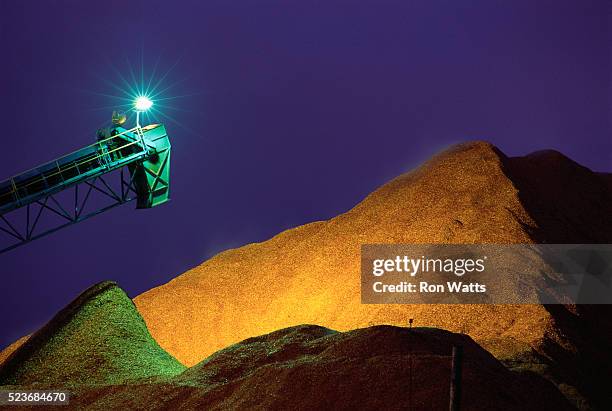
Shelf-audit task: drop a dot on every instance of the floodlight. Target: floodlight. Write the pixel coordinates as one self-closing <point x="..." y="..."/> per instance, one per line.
<point x="142" y="103"/>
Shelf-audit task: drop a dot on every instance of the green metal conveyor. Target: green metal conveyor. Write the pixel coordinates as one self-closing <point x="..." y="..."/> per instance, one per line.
<point x="139" y="157"/>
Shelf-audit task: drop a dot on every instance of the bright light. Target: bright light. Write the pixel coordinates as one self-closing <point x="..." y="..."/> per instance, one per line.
<point x="143" y="103"/>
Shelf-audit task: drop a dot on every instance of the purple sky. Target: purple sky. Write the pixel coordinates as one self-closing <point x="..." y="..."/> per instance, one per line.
<point x="295" y="110"/>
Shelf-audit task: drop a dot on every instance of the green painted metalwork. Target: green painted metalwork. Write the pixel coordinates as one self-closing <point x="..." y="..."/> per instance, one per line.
<point x="152" y="175"/>
<point x="143" y="151"/>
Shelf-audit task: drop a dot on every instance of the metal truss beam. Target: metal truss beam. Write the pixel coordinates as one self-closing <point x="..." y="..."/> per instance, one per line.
<point x="70" y="211"/>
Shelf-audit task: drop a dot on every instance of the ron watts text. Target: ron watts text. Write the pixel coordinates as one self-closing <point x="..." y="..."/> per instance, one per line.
<point x="453" y="287"/>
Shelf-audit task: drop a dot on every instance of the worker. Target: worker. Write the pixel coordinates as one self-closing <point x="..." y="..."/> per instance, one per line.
<point x="105" y="133"/>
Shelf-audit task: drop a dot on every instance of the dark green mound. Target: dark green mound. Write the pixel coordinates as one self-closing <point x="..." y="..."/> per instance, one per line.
<point x="382" y="367"/>
<point x="99" y="338"/>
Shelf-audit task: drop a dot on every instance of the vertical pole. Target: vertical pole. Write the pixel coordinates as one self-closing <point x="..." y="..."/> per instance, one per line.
<point x="455" y="385"/>
<point x="410" y="362"/>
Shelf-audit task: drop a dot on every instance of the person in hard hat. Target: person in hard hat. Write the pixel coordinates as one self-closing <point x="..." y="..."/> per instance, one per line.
<point x="106" y="133"/>
<point x="118" y="119"/>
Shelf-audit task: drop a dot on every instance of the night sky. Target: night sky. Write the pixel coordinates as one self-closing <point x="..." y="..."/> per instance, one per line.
<point x="280" y="113"/>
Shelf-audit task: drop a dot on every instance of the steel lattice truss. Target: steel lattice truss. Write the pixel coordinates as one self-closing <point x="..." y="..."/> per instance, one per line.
<point x="24" y="225"/>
